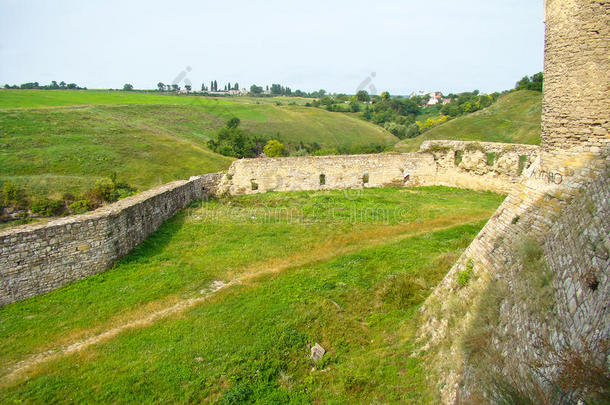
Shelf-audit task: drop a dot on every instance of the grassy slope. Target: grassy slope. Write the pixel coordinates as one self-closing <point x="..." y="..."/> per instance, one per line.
<point x="514" y="118"/>
<point x="333" y="288"/>
<point x="57" y="141"/>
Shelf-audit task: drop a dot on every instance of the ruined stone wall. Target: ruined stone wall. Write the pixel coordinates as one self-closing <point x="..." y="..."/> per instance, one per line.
<point x="35" y="259"/>
<point x="532" y="318"/>
<point x="576" y="97"/>
<point x="246" y="176"/>
<point x="561" y="206"/>
<point x="480" y="166"/>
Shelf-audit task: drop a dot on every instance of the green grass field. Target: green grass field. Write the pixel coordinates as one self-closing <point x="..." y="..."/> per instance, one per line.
<point x="304" y="267"/>
<point x="514" y="118"/>
<point x="57" y="141"/>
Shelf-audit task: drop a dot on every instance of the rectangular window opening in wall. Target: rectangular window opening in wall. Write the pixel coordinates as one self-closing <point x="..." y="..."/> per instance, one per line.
<point x="365" y="178"/>
<point x="522" y="163"/>
<point x="254" y="185"/>
<point x="458" y="157"/>
<point x="322" y="179"/>
<point x="491" y="157"/>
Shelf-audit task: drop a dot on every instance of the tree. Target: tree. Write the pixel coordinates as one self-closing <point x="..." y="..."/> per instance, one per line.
<point x="233" y="141"/>
<point x="62" y="84"/>
<point x="537" y="80"/>
<point x="215" y="85"/>
<point x="385" y="96"/>
<point x="72" y="86"/>
<point x="367" y="113"/>
<point x="274" y="148"/>
<point x="203" y="88"/>
<point x="363" y="96"/>
<point x="233" y="123"/>
<point x="161" y="86"/>
<point x="54" y="85"/>
<point x="127" y="87"/>
<point x="175" y="87"/>
<point x="523" y="84"/>
<point x="276" y="89"/>
<point x="236" y="86"/>
<point x="254" y="89"/>
<point x="188" y="87"/>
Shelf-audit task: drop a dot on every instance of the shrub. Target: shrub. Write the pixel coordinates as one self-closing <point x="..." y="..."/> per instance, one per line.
<point x="464" y="276"/>
<point x="47" y="207"/>
<point x="13" y="195"/>
<point x="274" y="148"/>
<point x="80" y="206"/>
<point x="108" y="190"/>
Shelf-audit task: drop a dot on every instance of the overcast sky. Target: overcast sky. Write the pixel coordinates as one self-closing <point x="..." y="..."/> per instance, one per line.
<point x="446" y="45"/>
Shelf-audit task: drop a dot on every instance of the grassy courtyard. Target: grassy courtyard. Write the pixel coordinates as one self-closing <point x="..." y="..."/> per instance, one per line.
<point x="347" y="270"/>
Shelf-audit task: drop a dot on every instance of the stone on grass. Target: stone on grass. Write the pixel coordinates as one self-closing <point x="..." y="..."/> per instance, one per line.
<point x="317" y="352"/>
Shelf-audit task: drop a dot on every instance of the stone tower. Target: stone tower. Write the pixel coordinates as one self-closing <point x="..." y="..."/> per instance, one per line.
<point x="576" y="101"/>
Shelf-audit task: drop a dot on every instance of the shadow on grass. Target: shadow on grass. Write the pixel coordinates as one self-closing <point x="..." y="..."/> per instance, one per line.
<point x="155" y="243"/>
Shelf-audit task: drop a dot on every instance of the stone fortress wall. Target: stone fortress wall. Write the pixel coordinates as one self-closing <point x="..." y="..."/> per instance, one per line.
<point x="476" y="165"/>
<point x="35" y="259"/>
<point x="561" y="207"/>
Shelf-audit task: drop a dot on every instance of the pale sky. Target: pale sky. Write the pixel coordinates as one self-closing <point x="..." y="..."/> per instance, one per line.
<point x="445" y="45"/>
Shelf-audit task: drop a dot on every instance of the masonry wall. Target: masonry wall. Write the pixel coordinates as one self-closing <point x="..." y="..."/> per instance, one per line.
<point x="35" y="259"/>
<point x="569" y="222"/>
<point x="479" y="166"/>
<point x="576" y="96"/>
<point x="540" y="334"/>
<point x="246" y="176"/>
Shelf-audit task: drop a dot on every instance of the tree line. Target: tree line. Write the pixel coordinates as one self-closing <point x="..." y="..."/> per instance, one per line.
<point x="52" y="86"/>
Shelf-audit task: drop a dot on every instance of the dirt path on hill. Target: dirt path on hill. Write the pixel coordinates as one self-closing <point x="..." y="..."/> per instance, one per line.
<point x="347" y="244"/>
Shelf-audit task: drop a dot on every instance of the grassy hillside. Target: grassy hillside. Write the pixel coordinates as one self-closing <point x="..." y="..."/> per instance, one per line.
<point x="514" y="118"/>
<point x="57" y="141"/>
<point x="303" y="268"/>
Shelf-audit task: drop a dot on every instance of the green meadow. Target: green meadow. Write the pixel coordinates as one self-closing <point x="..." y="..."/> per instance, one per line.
<point x="347" y="270"/>
<point x="56" y="141"/>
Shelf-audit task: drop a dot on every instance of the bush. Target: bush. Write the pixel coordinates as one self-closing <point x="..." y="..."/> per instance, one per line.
<point x="80" y="206"/>
<point x="274" y="148"/>
<point x="464" y="276"/>
<point x="412" y="131"/>
<point x="12" y="195"/>
<point x="398" y="130"/>
<point x="108" y="190"/>
<point x="47" y="207"/>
